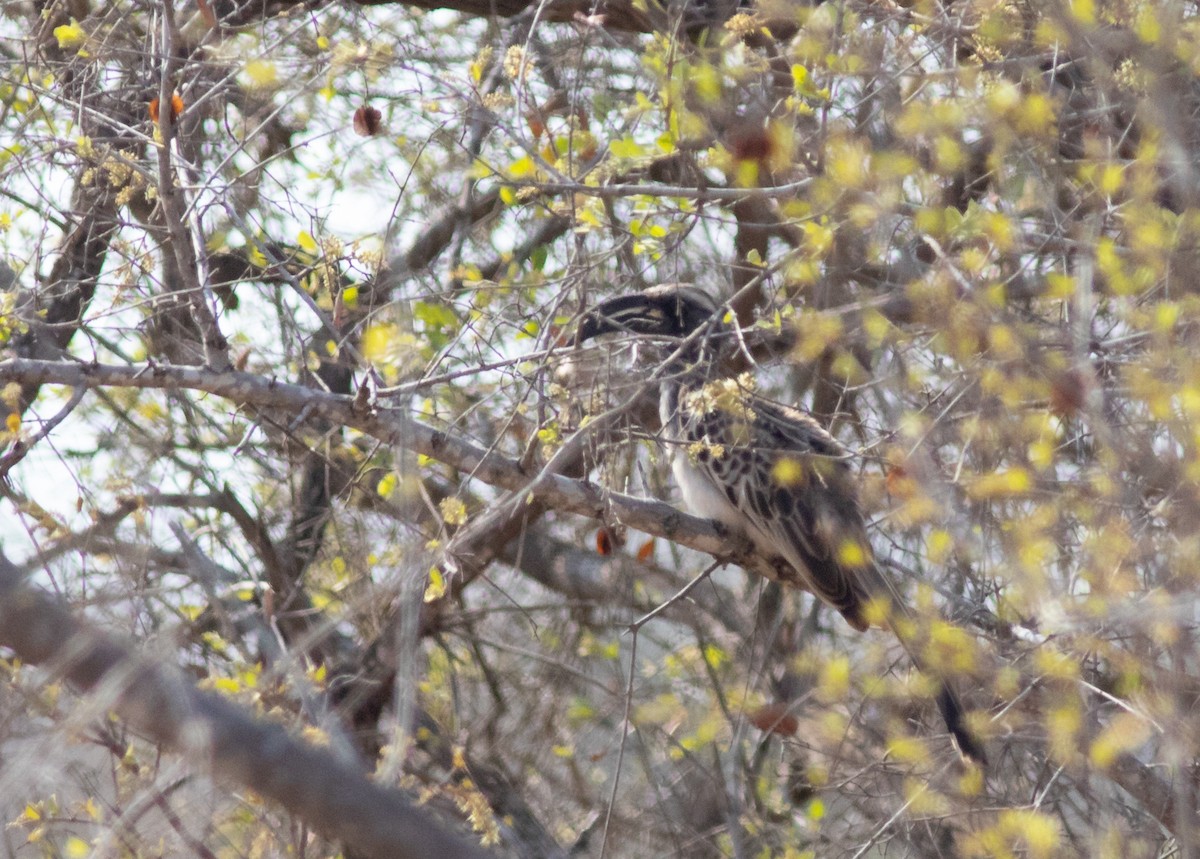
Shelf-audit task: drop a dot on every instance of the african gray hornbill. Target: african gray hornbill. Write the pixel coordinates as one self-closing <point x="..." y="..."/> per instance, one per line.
<point x="762" y="468"/>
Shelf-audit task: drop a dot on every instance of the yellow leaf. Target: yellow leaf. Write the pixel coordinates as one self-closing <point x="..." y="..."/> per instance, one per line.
<point x="938" y="545"/>
<point x="818" y="239"/>
<point x="454" y="512"/>
<point x="1125" y="733"/>
<point x="852" y="554"/>
<point x="1001" y="484"/>
<point x="1037" y="114"/>
<point x="908" y="750"/>
<point x="436" y="588"/>
<point x="788" y="472"/>
<point x="1148" y="28"/>
<point x="1059" y="285"/>
<point x="706" y="81"/>
<point x="227" y="685"/>
<point x="306" y="241"/>
<point x="877" y="611"/>
<point x="950" y="650"/>
<point x="1166" y="315"/>
<point x="846" y="162"/>
<point x="746" y="174"/>
<point x="1110" y="179"/>
<point x="1051" y="663"/>
<point x="70" y="35"/>
<point x="1041" y="453"/>
<point x="1038" y="831"/>
<point x="522" y="168"/>
<point x="663" y="709"/>
<point x="1003" y="96"/>
<point x="714" y="656"/>
<point x="835" y="678"/>
<point x="1062" y="729"/>
<point x="876" y="326"/>
<point x="922" y="799"/>
<point x="387" y="485"/>
<point x="377" y="342"/>
<point x="815" y="333"/>
<point x="971" y="782"/>
<point x="262" y="73"/>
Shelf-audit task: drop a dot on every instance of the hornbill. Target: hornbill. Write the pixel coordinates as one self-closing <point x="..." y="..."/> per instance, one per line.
<point x="763" y="469"/>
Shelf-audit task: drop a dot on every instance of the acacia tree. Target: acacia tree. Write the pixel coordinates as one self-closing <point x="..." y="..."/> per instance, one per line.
<point x="306" y="488"/>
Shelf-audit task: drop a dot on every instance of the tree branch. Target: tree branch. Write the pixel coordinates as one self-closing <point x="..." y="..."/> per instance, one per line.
<point x="54" y="312"/>
<point x="329" y="793"/>
<point x="614" y="14"/>
<point x="397" y="427"/>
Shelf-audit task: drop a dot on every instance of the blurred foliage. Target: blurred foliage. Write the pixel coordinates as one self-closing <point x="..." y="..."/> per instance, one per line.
<point x="968" y="234"/>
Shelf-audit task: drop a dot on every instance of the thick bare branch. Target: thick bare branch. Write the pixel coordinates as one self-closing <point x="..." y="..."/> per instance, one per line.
<point x="331" y="794"/>
<point x="54" y="313"/>
<point x="399" y="428"/>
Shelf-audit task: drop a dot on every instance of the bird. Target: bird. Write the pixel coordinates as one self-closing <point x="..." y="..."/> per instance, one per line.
<point x="763" y="469"/>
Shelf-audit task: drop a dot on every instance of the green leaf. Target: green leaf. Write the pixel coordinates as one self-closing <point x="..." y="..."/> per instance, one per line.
<point x="626" y="147"/>
<point x="436" y="317"/>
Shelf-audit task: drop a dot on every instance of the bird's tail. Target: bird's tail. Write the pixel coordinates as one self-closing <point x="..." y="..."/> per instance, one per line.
<point x="900" y="620"/>
<point x="951" y="708"/>
<point x="949" y="704"/>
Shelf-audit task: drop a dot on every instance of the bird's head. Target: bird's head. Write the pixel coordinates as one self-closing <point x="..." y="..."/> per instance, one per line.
<point x="670" y="310"/>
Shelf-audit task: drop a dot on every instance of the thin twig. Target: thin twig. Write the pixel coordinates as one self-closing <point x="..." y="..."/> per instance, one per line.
<point x="680" y="594"/>
<point x="691" y="192"/>
<point x="22" y="446"/>
<point x="612" y="794"/>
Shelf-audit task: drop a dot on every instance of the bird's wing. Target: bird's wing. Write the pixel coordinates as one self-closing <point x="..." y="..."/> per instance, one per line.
<point x="791" y="482"/>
